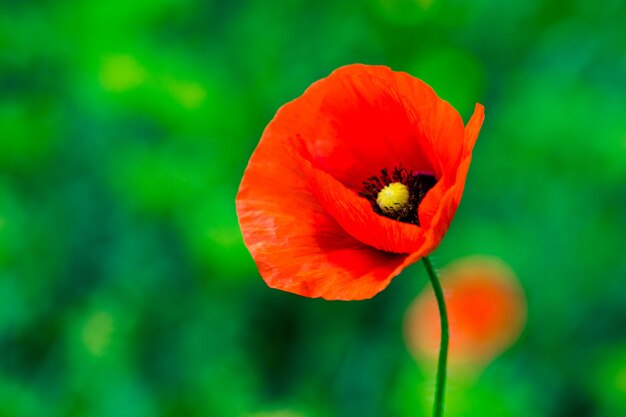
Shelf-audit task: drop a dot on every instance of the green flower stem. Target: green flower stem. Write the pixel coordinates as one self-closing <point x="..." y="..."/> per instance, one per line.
<point x="443" y="348"/>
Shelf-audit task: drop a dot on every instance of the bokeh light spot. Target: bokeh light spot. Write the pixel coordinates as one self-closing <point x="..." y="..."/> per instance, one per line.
<point x="188" y="94"/>
<point x="121" y="72"/>
<point x="425" y="4"/>
<point x="97" y="333"/>
<point x="277" y="413"/>
<point x="224" y="236"/>
<point x="405" y="12"/>
<point x="486" y="310"/>
<point x="620" y="379"/>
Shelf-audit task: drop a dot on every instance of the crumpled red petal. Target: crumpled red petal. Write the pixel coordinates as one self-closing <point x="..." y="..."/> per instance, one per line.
<point x="296" y="244"/>
<point x="361" y="119"/>
<point x="436" y="210"/>
<point x="355" y="214"/>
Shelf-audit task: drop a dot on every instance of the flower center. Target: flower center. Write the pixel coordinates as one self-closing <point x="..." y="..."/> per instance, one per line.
<point x="393" y="198"/>
<point x="398" y="195"/>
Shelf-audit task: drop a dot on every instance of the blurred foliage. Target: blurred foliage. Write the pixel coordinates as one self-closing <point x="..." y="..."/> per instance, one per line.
<point x="125" y="288"/>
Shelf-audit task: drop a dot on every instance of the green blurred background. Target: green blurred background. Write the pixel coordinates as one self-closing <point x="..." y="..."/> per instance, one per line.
<point x="125" y="127"/>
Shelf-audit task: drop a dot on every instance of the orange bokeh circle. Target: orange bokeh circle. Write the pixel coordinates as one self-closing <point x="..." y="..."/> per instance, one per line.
<point x="486" y="310"/>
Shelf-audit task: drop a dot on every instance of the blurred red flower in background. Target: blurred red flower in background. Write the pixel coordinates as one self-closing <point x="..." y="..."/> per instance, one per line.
<point x="486" y="309"/>
<point x="353" y="181"/>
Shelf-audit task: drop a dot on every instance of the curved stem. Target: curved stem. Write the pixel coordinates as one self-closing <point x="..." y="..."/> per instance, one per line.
<point x="443" y="349"/>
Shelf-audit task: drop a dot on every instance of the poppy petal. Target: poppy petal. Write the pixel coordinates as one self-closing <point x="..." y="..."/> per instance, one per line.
<point x="434" y="201"/>
<point x="361" y="119"/>
<point x="473" y="127"/>
<point x="440" y="124"/>
<point x="356" y="217"/>
<point x="297" y="246"/>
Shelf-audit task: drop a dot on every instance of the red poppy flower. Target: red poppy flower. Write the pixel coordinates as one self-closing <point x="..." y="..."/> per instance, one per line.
<point x="353" y="181"/>
<point x="486" y="310"/>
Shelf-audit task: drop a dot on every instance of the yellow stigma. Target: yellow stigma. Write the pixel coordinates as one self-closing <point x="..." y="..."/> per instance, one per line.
<point x="393" y="198"/>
